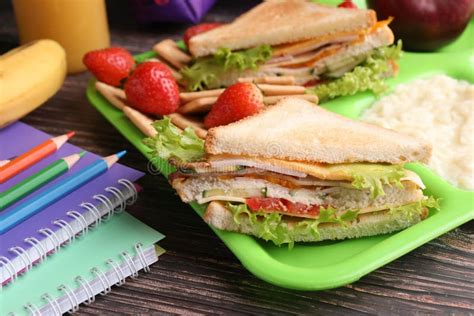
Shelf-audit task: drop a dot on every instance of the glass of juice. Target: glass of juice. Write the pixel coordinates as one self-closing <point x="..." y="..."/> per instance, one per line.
<point x="78" y="25"/>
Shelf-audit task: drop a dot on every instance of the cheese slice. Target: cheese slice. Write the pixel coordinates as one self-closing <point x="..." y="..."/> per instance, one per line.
<point x="340" y="172"/>
<point x="314" y="43"/>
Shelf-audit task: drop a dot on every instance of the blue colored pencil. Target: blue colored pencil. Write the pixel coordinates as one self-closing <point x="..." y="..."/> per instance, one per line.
<point x="30" y="207"/>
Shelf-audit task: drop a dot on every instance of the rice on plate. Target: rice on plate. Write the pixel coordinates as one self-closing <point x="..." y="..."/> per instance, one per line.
<point x="439" y="110"/>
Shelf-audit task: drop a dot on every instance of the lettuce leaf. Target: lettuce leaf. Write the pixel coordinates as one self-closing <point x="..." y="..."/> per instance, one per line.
<point x="170" y="141"/>
<point x="378" y="176"/>
<point x="412" y="209"/>
<point x="270" y="226"/>
<point x="207" y="71"/>
<point x="368" y="76"/>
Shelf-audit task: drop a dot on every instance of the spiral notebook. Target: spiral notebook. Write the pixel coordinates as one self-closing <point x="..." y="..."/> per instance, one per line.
<point x="119" y="248"/>
<point x="30" y="243"/>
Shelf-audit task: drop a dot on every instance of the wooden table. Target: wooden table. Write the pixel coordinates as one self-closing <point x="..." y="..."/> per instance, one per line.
<point x="198" y="274"/>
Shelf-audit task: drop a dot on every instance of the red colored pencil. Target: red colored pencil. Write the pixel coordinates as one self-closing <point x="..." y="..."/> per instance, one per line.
<point x="32" y="156"/>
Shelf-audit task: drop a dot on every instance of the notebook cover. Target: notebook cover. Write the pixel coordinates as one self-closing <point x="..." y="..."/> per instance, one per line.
<point x="20" y="137"/>
<point x="121" y="233"/>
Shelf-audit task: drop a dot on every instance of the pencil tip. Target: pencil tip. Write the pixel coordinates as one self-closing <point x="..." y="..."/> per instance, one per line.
<point x="120" y="154"/>
<point x="70" y="134"/>
<point x="82" y="153"/>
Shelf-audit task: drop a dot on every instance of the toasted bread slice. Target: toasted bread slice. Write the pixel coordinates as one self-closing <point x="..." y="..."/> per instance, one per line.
<point x="295" y="129"/>
<point x="368" y="224"/>
<point x="281" y="21"/>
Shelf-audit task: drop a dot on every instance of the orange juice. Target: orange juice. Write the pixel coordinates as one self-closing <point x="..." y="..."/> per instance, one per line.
<point x="78" y="25"/>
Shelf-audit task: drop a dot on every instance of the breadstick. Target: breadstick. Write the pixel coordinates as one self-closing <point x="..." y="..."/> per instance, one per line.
<point x="198" y="105"/>
<point x="182" y="122"/>
<point x="112" y="94"/>
<point x="274" y="99"/>
<point x="140" y="120"/>
<point x="190" y="96"/>
<point x="269" y="90"/>
<point x="283" y="80"/>
<point x="168" y="50"/>
<point x="174" y="72"/>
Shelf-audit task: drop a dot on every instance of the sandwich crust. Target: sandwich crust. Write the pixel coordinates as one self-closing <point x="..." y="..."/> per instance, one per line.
<point x="281" y="21"/>
<point x="295" y="129"/>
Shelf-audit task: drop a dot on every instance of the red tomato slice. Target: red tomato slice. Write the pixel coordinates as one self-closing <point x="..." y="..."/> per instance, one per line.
<point x="266" y="204"/>
<point x="282" y="206"/>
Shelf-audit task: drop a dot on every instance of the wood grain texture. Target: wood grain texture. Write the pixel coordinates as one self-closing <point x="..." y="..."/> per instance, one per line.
<point x="198" y="275"/>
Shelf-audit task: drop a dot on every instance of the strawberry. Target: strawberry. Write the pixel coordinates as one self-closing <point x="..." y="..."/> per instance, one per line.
<point x="198" y="29"/>
<point x="236" y="102"/>
<point x="110" y="65"/>
<point x="152" y="89"/>
<point x="348" y="4"/>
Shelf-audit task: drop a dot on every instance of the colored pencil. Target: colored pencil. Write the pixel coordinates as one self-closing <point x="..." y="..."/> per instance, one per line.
<point x="34" y="205"/>
<point x="37" y="180"/>
<point x="4" y="162"/>
<point x="32" y="156"/>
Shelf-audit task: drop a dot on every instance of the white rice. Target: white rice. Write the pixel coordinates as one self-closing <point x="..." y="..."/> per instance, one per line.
<point x="438" y="110"/>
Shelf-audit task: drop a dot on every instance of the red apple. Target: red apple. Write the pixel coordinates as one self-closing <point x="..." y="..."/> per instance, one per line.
<point x="425" y="25"/>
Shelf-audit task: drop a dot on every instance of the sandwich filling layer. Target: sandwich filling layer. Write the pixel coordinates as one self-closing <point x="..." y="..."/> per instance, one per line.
<point x="327" y="56"/>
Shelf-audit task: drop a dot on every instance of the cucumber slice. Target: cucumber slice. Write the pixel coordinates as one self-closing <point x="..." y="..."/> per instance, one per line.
<point x="251" y="192"/>
<point x="213" y="192"/>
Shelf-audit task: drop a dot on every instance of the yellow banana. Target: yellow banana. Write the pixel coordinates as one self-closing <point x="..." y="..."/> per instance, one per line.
<point x="29" y="75"/>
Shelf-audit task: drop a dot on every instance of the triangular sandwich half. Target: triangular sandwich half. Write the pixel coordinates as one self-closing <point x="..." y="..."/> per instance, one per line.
<point x="298" y="38"/>
<point x="296" y="172"/>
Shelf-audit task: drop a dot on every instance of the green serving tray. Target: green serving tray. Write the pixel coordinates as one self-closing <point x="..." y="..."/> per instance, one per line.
<point x="324" y="265"/>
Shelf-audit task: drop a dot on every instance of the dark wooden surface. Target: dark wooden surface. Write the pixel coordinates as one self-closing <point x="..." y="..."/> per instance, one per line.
<point x="198" y="274"/>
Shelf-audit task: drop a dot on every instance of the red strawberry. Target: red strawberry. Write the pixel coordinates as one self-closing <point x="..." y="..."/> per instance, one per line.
<point x="348" y="4"/>
<point x="236" y="102"/>
<point x="152" y="89"/>
<point x="109" y="65"/>
<point x="198" y="29"/>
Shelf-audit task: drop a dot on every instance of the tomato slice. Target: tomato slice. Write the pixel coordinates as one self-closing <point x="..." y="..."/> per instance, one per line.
<point x="283" y="206"/>
<point x="265" y="204"/>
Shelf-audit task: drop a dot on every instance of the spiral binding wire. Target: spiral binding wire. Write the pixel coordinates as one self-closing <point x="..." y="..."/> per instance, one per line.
<point x="108" y="204"/>
<point x="38" y="246"/>
<point x="133" y="190"/>
<point x="73" y="298"/>
<point x="33" y="309"/>
<point x="53" y="237"/>
<point x="67" y="228"/>
<point x="87" y="288"/>
<point x="130" y="263"/>
<point x="119" y="195"/>
<point x="141" y="256"/>
<point x="10" y="268"/>
<point x="118" y="271"/>
<point x="54" y="303"/>
<point x="103" y="280"/>
<point x="80" y="219"/>
<point x="25" y="257"/>
<point x="93" y="209"/>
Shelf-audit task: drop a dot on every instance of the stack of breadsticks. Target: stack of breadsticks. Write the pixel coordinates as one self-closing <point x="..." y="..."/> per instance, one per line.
<point x="200" y="102"/>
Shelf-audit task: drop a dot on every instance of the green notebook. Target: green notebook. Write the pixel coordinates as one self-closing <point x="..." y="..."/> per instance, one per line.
<point x="105" y="256"/>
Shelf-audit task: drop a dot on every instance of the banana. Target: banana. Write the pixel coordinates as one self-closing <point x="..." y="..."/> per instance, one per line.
<point x="29" y="75"/>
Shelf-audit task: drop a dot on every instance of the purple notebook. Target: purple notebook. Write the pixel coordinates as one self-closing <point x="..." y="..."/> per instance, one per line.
<point x="18" y="138"/>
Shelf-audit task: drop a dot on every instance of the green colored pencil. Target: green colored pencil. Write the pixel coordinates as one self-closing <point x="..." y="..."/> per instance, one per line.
<point x="37" y="180"/>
